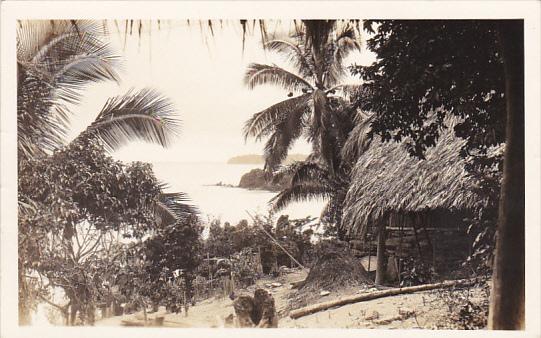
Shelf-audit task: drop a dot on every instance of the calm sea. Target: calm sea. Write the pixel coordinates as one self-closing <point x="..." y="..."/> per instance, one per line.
<point x="198" y="180"/>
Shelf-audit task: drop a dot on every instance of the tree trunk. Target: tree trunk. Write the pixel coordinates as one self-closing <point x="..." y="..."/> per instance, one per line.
<point x="377" y="294"/>
<point x="73" y="313"/>
<point x="380" y="267"/>
<point x="25" y="318"/>
<point x="507" y="296"/>
<point x="90" y="315"/>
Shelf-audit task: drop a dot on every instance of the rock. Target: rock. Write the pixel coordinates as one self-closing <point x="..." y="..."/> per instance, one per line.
<point x="264" y="314"/>
<point x="244" y="306"/>
<point x="275" y="285"/>
<point x="259" y="179"/>
<point x="324" y="293"/>
<point x="406" y="312"/>
<point x="229" y="321"/>
<point x="373" y="316"/>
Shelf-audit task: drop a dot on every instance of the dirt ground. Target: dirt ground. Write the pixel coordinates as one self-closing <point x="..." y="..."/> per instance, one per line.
<point x="418" y="310"/>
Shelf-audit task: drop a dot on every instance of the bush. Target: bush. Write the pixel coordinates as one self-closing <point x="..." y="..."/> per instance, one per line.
<point x="464" y="310"/>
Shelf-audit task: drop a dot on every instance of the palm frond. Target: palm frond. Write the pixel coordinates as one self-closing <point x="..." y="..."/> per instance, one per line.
<point x="305" y="172"/>
<point x="294" y="54"/>
<point x="145" y="115"/>
<point x="262" y="123"/>
<point x="276" y="149"/>
<point x="332" y="212"/>
<point x="285" y="133"/>
<point x="340" y="48"/>
<point x="41" y="126"/>
<point x="346" y="91"/>
<point x="55" y="59"/>
<point x="34" y="36"/>
<point x="299" y="193"/>
<point x="173" y="207"/>
<point x="258" y="74"/>
<point x="347" y="41"/>
<point x="68" y="55"/>
<point x="358" y="140"/>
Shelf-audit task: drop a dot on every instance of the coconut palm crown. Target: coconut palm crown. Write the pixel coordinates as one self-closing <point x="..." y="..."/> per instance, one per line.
<point x="316" y="108"/>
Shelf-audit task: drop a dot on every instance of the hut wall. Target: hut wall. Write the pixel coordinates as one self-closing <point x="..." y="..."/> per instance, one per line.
<point x="437" y="239"/>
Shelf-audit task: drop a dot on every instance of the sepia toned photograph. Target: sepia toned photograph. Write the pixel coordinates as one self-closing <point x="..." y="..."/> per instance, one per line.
<point x="270" y="173"/>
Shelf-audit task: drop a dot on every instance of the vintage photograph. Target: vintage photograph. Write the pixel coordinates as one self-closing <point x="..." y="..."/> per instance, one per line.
<point x="271" y="173"/>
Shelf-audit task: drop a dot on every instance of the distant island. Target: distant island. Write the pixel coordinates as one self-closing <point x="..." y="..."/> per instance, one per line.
<point x="258" y="159"/>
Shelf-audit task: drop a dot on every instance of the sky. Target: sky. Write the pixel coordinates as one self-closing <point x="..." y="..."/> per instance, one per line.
<point x="202" y="73"/>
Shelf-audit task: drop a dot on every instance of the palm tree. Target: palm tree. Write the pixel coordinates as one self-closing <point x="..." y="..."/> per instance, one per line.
<point x="316" y="107"/>
<point x="56" y="60"/>
<point x="310" y="180"/>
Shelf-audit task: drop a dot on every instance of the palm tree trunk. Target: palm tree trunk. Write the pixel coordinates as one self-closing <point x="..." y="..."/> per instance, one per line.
<point x="507" y="296"/>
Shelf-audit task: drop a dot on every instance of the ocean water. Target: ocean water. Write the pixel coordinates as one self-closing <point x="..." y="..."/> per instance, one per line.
<point x="199" y="180"/>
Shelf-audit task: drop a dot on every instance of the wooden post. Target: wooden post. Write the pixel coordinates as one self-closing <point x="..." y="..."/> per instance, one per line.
<point x="185" y="304"/>
<point x="369" y="253"/>
<point x="399" y="269"/>
<point x="260" y="265"/>
<point x="417" y="237"/>
<point x="144" y="311"/>
<point x="429" y="242"/>
<point x="210" y="273"/>
<point x="380" y="268"/>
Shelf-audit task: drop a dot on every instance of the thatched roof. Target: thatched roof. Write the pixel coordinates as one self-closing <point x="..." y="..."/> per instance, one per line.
<point x="386" y="179"/>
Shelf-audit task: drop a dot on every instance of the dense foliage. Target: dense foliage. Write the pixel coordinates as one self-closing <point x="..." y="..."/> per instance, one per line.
<point x="227" y="240"/>
<point x="427" y="70"/>
<point x="83" y="206"/>
<point x="160" y="270"/>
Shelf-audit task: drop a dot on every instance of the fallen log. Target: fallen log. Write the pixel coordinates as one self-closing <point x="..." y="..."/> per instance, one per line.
<point x="378" y="294"/>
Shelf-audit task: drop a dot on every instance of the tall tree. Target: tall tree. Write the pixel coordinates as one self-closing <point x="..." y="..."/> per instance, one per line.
<point x="426" y="70"/>
<point x="315" y="109"/>
<point x="508" y="292"/>
<point x="55" y="62"/>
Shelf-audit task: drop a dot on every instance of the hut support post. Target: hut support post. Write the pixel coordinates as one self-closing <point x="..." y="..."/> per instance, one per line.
<point x="399" y="260"/>
<point x="417" y="239"/>
<point x="380" y="267"/>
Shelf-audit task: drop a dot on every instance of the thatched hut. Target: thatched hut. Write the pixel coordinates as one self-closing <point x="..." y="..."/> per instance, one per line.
<point x="393" y="190"/>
